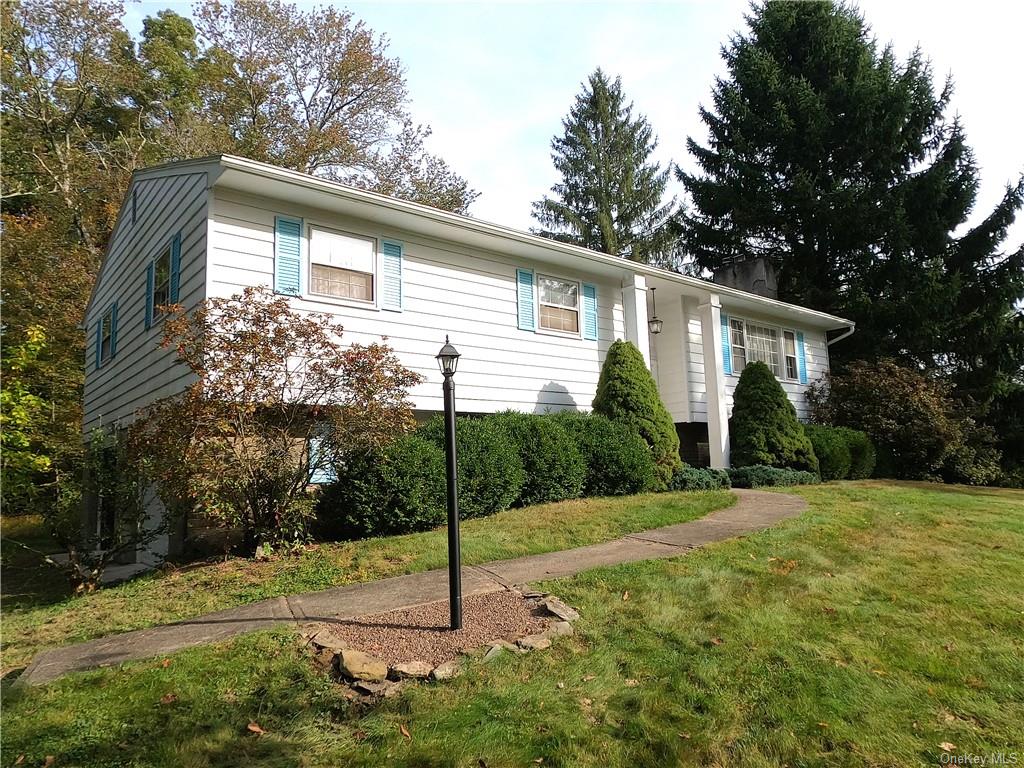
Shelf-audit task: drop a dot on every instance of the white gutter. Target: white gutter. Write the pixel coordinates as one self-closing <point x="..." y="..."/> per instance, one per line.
<point x="840" y="337"/>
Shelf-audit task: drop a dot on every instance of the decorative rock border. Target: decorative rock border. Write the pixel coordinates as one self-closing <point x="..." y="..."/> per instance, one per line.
<point x="370" y="677"/>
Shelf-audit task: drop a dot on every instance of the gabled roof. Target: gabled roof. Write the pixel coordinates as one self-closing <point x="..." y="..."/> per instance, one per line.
<point x="229" y="171"/>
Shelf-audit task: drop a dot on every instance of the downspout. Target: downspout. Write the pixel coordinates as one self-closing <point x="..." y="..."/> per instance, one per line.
<point x="849" y="331"/>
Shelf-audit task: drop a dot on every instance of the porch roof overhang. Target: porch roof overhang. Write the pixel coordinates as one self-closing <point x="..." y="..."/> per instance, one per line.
<point x="263" y="179"/>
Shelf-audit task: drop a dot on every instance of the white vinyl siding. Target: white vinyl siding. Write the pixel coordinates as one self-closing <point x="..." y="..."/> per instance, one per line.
<point x="447" y="289"/>
<point x="141" y="371"/>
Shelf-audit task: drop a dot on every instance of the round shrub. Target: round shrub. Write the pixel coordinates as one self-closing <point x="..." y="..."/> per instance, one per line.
<point x="832" y="450"/>
<point x="764" y="428"/>
<point x="490" y="472"/>
<point x="552" y="463"/>
<point x="626" y="392"/>
<point x="700" y="479"/>
<point x="862" y="452"/>
<point x="399" y="489"/>
<point x="618" y="461"/>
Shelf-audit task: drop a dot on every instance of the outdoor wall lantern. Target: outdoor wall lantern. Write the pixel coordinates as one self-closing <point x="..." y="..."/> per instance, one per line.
<point x="654" y="323"/>
<point x="448" y="361"/>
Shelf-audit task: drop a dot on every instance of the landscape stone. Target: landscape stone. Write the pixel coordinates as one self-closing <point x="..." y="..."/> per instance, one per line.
<point x="557" y="608"/>
<point x="558" y="629"/>
<point x="370" y="688"/>
<point x="324" y="658"/>
<point x="493" y="652"/>
<point x="357" y="665"/>
<point x="417" y="669"/>
<point x="327" y="639"/>
<point x="447" y="671"/>
<point x="534" y="642"/>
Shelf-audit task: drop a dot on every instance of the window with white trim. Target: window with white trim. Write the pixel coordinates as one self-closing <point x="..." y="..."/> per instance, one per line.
<point x="774" y="347"/>
<point x="559" y="304"/>
<point x="161" y="282"/>
<point x="789" y="354"/>
<point x="342" y="266"/>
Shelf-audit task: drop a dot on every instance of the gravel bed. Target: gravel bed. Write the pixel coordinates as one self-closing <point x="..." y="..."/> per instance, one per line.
<point x="422" y="633"/>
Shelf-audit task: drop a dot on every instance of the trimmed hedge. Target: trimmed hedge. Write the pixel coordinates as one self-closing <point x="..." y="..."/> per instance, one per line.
<point x="617" y="460"/>
<point x="626" y="392"/>
<point x="761" y="476"/>
<point x="700" y="479"/>
<point x="491" y="473"/>
<point x="862" y="452"/>
<point x="400" y="489"/>
<point x="832" y="450"/>
<point x="764" y="428"/>
<point x="553" y="467"/>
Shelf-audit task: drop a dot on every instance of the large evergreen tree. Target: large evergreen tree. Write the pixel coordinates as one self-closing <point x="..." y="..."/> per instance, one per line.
<point x="835" y="161"/>
<point x="611" y="197"/>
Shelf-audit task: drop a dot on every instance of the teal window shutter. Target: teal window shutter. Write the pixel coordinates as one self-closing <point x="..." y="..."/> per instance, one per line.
<point x="287" y="255"/>
<point x="320" y="474"/>
<point x="589" y="312"/>
<point x="801" y="358"/>
<point x="113" y="329"/>
<point x="149" y="295"/>
<point x="726" y="346"/>
<point x="99" y="341"/>
<point x="391" y="276"/>
<point x="175" y="268"/>
<point x="526" y="300"/>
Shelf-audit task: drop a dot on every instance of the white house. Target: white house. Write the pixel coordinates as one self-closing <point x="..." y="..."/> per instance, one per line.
<point x="532" y="318"/>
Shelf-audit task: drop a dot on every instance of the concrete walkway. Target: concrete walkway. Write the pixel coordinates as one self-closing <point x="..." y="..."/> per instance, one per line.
<point x="754" y="511"/>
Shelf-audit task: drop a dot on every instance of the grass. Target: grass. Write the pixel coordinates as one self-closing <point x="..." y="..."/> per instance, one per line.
<point x="883" y="622"/>
<point x="38" y="612"/>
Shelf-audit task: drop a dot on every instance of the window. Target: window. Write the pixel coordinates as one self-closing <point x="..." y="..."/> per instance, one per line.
<point x="341" y="266"/>
<point x="107" y="335"/>
<point x="789" y="353"/>
<point x="739" y="346"/>
<point x="161" y="282"/>
<point x="763" y="345"/>
<point x="559" y="305"/>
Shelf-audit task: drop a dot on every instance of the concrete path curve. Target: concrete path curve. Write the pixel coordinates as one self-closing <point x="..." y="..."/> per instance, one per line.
<point x="753" y="511"/>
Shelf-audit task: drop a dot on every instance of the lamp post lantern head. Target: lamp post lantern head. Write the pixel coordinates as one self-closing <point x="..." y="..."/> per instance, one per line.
<point x="654" y="324"/>
<point x="448" y="358"/>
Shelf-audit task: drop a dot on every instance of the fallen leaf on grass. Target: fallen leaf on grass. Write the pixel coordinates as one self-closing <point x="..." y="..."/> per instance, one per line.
<point x="879" y="672"/>
<point x="50" y="760"/>
<point x="255" y="728"/>
<point x="684" y="736"/>
<point x="168" y="698"/>
<point x="539" y="760"/>
<point x="20" y="760"/>
<point x="631" y="683"/>
<point x="560" y="686"/>
<point x="588" y="678"/>
<point x="359" y="735"/>
<point x="823" y="725"/>
<point x="786" y="568"/>
<point x="625" y="596"/>
<point x="829" y="610"/>
<point x="405" y="731"/>
<point x="716" y="641"/>
<point x="950" y="646"/>
<point x="165" y="663"/>
<point x="947" y="747"/>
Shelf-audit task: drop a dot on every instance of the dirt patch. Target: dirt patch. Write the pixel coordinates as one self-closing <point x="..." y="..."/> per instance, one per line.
<point x="422" y="633"/>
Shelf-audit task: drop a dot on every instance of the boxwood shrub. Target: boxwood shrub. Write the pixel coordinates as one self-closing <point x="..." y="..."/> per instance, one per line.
<point x="490" y="471"/>
<point x="832" y="450"/>
<point x="862" y="452"/>
<point x="700" y="479"/>
<point x="618" y="461"/>
<point x="762" y="476"/>
<point x="553" y="466"/>
<point x="399" y="489"/>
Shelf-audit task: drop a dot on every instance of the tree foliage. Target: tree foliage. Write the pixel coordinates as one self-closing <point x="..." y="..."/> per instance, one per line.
<point x="764" y="429"/>
<point x="611" y="194"/>
<point x="627" y="393"/>
<point x="269" y="382"/>
<point x="836" y="161"/>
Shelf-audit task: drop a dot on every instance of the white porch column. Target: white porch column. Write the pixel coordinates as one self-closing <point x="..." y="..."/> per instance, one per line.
<point x="634" y="305"/>
<point x="714" y="381"/>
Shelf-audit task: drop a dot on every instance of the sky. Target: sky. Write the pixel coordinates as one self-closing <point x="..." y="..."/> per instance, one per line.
<point x="494" y="80"/>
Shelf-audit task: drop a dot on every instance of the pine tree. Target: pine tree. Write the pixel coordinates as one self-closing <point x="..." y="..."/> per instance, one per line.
<point x="836" y="162"/>
<point x="611" y="193"/>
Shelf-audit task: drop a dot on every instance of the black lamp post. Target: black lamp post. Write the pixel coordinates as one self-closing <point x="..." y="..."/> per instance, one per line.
<point x="448" y="360"/>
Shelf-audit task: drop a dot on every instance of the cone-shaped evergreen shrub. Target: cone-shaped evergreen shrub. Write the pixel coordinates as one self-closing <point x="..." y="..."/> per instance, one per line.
<point x="764" y="428"/>
<point x="626" y="393"/>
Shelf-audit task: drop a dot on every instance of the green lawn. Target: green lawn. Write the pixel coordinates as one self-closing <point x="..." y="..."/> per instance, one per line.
<point x="38" y="613"/>
<point x="885" y="621"/>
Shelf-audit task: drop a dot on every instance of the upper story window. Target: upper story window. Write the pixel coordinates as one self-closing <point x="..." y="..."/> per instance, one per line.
<point x="559" y="304"/>
<point x="106" y="335"/>
<point x="342" y="266"/>
<point x="161" y="282"/>
<point x="775" y="348"/>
